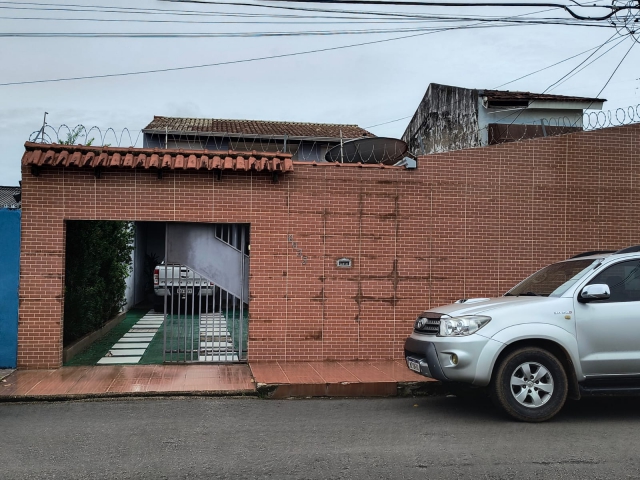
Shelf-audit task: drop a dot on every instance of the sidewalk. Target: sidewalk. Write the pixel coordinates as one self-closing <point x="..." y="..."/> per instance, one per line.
<point x="273" y="380"/>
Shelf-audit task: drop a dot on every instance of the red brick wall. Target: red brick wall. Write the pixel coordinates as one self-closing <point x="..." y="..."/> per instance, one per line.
<point x="466" y="223"/>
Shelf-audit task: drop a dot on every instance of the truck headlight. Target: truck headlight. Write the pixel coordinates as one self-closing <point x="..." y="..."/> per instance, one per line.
<point x="463" y="325"/>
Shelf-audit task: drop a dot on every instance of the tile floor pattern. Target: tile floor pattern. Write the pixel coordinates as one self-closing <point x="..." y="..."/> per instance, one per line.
<point x="337" y="379"/>
<point x="116" y="380"/>
<point x="216" y="342"/>
<point x="300" y="379"/>
<point x="130" y="348"/>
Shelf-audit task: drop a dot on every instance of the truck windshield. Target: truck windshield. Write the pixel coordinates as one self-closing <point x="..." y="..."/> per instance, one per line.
<point x="553" y="280"/>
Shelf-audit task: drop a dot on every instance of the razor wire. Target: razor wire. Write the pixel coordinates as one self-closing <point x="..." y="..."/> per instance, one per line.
<point x="301" y="149"/>
<point x="314" y="150"/>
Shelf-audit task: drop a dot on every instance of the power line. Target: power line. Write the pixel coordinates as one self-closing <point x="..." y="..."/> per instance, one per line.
<point x="549" y="66"/>
<point x="511" y="81"/>
<point x="139" y="11"/>
<point x="411" y="3"/>
<point x="399" y="15"/>
<point x="390" y="121"/>
<point x="230" y="62"/>
<point x="587" y="65"/>
<point x="574" y="69"/>
<point x="580" y="64"/>
<point x="314" y="20"/>
<point x="304" y="33"/>
<point x="633" y="43"/>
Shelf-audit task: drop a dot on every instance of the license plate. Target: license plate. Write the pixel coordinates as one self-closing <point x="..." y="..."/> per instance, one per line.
<point x="413" y="365"/>
<point x="188" y="290"/>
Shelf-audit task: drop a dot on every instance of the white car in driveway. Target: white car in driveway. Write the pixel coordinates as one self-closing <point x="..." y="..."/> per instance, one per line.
<point x="178" y="282"/>
<point x="570" y="329"/>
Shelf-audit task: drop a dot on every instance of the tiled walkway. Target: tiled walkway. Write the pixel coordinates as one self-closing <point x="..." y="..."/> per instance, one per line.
<point x="115" y="380"/>
<point x="275" y="380"/>
<point x="334" y="379"/>
<point x="130" y="348"/>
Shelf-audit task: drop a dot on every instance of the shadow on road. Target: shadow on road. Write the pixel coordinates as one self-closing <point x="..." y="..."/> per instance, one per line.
<point x="479" y="408"/>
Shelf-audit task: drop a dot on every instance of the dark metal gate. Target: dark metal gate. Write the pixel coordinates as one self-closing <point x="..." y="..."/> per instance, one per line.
<point x="205" y="278"/>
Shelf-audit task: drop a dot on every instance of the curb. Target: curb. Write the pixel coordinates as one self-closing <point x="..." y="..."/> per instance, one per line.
<point x="125" y="395"/>
<point x="349" y="390"/>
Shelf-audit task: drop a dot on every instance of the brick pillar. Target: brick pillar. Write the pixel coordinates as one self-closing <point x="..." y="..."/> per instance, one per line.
<point x="41" y="270"/>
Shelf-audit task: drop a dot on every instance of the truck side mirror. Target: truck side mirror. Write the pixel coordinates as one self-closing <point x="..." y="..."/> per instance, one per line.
<point x="597" y="291"/>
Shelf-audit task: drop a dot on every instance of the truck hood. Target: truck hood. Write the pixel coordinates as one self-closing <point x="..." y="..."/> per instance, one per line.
<point x="475" y="306"/>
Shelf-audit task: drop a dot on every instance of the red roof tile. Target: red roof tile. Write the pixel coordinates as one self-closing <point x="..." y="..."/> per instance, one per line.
<point x="256" y="128"/>
<point x="38" y="154"/>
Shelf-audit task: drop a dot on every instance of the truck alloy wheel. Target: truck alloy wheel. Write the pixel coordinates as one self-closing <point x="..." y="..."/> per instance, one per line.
<point x="530" y="384"/>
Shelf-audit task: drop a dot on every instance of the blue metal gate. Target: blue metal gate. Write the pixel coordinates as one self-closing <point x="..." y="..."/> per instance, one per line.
<point x="9" y="280"/>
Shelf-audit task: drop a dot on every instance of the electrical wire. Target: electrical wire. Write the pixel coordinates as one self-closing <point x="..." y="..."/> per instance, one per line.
<point x="573" y="70"/>
<point x="580" y="64"/>
<point x="397" y="15"/>
<point x="411" y="3"/>
<point x="633" y="44"/>
<point x="611" y="39"/>
<point x="313" y="20"/>
<point x="304" y="33"/>
<point x="230" y="62"/>
<point x="550" y="66"/>
<point x="567" y="78"/>
<point x="390" y="121"/>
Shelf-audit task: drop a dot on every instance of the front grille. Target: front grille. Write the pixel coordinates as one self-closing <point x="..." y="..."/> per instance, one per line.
<point x="431" y="324"/>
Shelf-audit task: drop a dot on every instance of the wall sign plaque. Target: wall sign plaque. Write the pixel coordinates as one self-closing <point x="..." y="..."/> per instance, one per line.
<point x="343" y="263"/>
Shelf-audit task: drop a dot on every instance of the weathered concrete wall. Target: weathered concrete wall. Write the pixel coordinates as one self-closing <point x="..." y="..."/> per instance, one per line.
<point x="446" y="119"/>
<point x="465" y="223"/>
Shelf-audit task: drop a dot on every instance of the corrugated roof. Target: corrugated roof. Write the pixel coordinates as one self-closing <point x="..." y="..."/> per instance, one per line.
<point x="502" y="95"/>
<point x="38" y="155"/>
<point x="7" y="199"/>
<point x="257" y="128"/>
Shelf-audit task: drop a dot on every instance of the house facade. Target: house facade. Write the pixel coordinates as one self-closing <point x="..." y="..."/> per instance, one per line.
<point x="343" y="256"/>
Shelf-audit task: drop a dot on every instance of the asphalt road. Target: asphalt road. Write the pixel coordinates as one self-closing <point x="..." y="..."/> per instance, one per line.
<point x="238" y="438"/>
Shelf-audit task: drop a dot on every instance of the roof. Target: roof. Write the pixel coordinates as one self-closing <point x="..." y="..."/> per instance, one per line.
<point x="7" y="199"/>
<point x="54" y="155"/>
<point x="502" y="95"/>
<point x="259" y="128"/>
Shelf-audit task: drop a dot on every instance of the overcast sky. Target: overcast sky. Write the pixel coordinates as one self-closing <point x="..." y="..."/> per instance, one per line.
<point x="365" y="85"/>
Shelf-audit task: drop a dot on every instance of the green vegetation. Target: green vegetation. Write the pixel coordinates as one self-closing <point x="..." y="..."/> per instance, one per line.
<point x="97" y="263"/>
<point x="72" y="137"/>
<point x="101" y="347"/>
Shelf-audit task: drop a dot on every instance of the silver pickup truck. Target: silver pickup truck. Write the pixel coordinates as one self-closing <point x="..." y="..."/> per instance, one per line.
<point x="178" y="282"/>
<point x="570" y="329"/>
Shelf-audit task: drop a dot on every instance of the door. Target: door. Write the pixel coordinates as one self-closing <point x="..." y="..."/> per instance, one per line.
<point x="609" y="330"/>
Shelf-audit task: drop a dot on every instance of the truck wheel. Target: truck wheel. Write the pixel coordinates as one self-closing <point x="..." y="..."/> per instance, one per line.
<point x="530" y="385"/>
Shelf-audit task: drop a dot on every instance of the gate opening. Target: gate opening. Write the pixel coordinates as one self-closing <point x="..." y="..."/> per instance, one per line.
<point x="202" y="290"/>
<point x="184" y="299"/>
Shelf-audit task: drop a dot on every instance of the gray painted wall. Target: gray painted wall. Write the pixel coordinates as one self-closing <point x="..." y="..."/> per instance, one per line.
<point x="446" y="119"/>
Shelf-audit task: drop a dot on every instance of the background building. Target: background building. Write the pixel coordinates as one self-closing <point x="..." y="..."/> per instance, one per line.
<point x="454" y="118"/>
